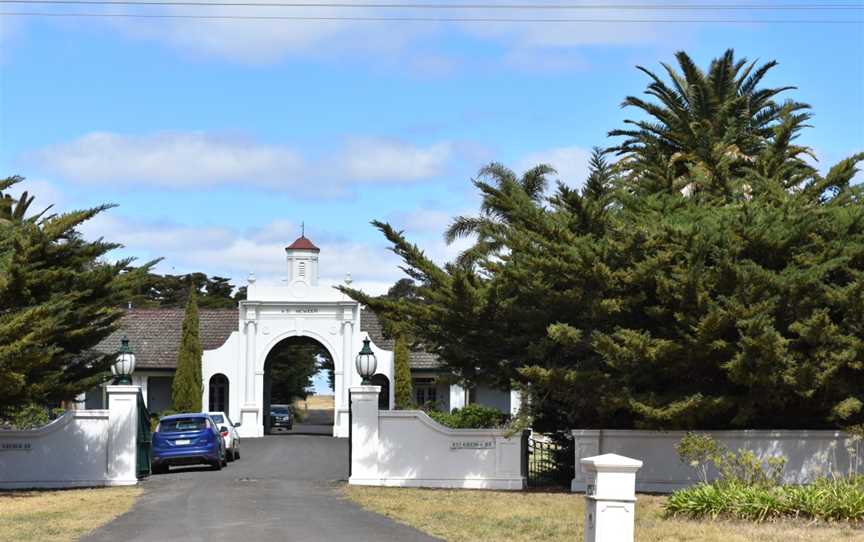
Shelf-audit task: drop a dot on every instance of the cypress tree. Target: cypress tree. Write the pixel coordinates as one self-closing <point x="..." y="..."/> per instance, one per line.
<point x="187" y="387"/>
<point x="721" y="286"/>
<point x="57" y="294"/>
<point x="402" y="390"/>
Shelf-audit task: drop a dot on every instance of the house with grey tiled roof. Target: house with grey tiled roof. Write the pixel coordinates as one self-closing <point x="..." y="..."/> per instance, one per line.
<point x="239" y="344"/>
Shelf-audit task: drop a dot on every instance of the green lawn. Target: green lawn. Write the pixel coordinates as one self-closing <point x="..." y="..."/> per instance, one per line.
<point x="514" y="516"/>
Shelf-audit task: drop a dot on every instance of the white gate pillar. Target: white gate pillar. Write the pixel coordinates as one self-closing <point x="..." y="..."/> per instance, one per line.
<point x="364" y="435"/>
<point x="610" y="498"/>
<point x="122" y="434"/>
<point x="249" y="409"/>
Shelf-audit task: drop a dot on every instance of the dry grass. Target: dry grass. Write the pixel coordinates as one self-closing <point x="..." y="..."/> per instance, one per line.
<point x="52" y="516"/>
<point x="316" y="402"/>
<point x="488" y="515"/>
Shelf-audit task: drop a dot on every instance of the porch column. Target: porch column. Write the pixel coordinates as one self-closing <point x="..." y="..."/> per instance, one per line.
<point x="251" y="331"/>
<point x="347" y="360"/>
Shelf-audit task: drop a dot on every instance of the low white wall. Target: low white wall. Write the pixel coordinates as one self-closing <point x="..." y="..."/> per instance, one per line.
<point x="82" y="448"/>
<point x="809" y="454"/>
<point x="409" y="449"/>
<point x="417" y="451"/>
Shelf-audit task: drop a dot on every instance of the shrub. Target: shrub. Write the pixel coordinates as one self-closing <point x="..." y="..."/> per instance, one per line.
<point x="25" y="417"/>
<point x="827" y="499"/>
<point x="470" y="417"/>
<point x="702" y="452"/>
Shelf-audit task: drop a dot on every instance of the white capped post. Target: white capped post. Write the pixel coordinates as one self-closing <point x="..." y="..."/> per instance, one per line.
<point x="364" y="435"/>
<point x="610" y="497"/>
<point x="122" y="434"/>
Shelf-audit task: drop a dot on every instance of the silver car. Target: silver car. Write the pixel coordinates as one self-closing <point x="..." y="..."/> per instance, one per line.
<point x="228" y="430"/>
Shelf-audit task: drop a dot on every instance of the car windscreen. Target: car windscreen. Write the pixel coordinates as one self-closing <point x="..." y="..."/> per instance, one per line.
<point x="279" y="410"/>
<point x="176" y="425"/>
<point x="218" y="418"/>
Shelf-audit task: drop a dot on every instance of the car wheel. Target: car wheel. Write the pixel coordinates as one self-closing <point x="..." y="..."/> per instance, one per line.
<point x="217" y="465"/>
<point x="159" y="469"/>
<point x="225" y="459"/>
<point x="236" y="455"/>
<point x="229" y="455"/>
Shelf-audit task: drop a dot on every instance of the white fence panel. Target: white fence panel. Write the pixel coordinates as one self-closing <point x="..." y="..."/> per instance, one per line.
<point x="409" y="449"/>
<point x="809" y="454"/>
<point x="83" y="448"/>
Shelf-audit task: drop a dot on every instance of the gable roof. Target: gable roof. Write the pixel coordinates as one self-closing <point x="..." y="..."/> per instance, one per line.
<point x="371" y="324"/>
<point x="154" y="335"/>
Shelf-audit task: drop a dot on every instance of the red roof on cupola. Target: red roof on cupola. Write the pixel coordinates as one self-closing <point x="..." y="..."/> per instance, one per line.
<point x="301" y="243"/>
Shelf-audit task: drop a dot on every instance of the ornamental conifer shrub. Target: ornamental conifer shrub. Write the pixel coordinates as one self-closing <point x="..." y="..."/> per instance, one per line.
<point x="402" y="360"/>
<point x="187" y="387"/>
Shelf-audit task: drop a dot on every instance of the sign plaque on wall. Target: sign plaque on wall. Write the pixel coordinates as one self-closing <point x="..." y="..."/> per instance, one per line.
<point x="472" y="445"/>
<point x="301" y="310"/>
<point x="15" y="447"/>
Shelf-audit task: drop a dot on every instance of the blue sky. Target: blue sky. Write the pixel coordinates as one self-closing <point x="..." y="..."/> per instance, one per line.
<point x="217" y="138"/>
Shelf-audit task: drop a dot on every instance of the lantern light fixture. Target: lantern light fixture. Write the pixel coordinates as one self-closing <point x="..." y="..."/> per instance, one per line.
<point x="366" y="363"/>
<point x="125" y="364"/>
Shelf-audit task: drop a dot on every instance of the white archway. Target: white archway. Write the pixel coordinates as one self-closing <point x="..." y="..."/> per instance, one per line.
<point x="272" y="313"/>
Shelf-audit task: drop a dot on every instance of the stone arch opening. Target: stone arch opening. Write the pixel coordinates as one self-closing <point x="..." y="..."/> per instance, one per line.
<point x="218" y="396"/>
<point x="299" y="375"/>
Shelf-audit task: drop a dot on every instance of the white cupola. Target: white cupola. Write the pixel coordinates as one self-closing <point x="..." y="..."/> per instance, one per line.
<point x="302" y="261"/>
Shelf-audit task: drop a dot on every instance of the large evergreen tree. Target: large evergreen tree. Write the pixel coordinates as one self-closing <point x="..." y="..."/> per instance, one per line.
<point x="187" y="388"/>
<point x="728" y="295"/>
<point x="57" y="295"/>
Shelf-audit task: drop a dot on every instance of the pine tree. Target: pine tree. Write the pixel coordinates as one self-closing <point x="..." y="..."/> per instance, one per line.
<point x="57" y="295"/>
<point x="402" y="360"/>
<point x="187" y="389"/>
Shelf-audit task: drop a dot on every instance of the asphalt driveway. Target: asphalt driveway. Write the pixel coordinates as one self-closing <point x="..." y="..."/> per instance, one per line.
<point x="284" y="487"/>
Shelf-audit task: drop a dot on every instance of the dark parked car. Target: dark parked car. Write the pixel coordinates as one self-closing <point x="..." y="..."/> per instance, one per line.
<point x="187" y="439"/>
<point x="280" y="416"/>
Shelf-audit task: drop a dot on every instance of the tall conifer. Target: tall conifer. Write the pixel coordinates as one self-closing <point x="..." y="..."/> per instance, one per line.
<point x="187" y="388"/>
<point x="57" y="295"/>
<point x="402" y="391"/>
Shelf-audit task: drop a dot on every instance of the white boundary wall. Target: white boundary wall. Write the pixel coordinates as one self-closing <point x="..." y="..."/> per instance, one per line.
<point x="407" y="448"/>
<point x="82" y="448"/>
<point x="809" y="454"/>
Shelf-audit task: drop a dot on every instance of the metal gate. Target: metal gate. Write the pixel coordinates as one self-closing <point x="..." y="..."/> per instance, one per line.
<point x="142" y="440"/>
<point x="550" y="461"/>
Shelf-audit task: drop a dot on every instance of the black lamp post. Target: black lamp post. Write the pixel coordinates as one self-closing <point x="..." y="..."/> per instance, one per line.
<point x="125" y="364"/>
<point x="366" y="363"/>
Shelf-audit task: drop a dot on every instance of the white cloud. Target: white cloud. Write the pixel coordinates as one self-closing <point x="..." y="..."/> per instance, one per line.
<point x="225" y="252"/>
<point x="422" y="221"/>
<point x="169" y="159"/>
<point x="187" y="160"/>
<point x="570" y="162"/>
<point x="389" y="160"/>
<point x="260" y="41"/>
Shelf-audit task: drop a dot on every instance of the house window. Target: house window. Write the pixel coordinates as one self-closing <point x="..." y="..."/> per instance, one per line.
<point x="425" y="391"/>
<point x="302" y="270"/>
<point x="219" y="393"/>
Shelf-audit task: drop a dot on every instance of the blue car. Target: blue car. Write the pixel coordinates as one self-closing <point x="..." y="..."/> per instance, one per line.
<point x="187" y="439"/>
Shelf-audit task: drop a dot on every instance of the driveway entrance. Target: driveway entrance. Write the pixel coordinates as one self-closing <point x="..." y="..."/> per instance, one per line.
<point x="284" y="487"/>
